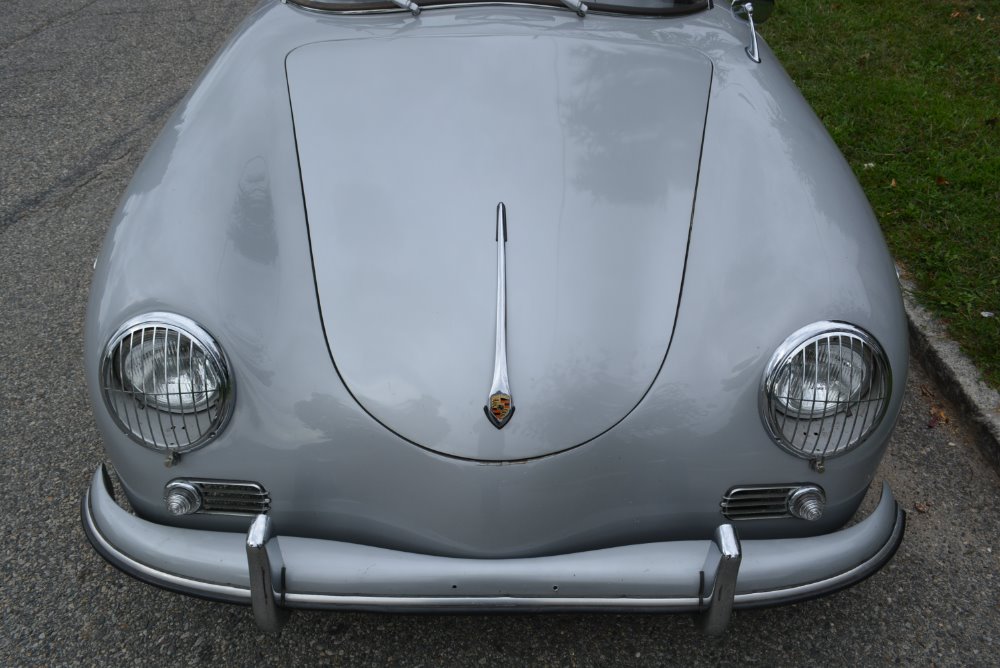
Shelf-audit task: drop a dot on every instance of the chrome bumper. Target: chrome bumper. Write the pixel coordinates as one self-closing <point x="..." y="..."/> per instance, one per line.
<point x="274" y="573"/>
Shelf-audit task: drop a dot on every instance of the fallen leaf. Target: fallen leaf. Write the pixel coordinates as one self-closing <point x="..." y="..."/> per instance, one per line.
<point x="979" y="17"/>
<point x="938" y="416"/>
<point x="988" y="314"/>
<point x="956" y="14"/>
<point x="893" y="184"/>
<point x="926" y="391"/>
<point x="941" y="181"/>
<point x="921" y="507"/>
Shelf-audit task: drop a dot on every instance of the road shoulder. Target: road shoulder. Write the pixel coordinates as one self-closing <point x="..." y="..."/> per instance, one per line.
<point x="954" y="373"/>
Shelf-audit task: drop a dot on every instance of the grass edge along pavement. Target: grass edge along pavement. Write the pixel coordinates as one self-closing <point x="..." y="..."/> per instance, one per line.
<point x="910" y="91"/>
<point x="954" y="373"/>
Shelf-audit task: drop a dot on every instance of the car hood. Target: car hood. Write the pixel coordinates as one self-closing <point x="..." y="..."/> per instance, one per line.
<point x="407" y="145"/>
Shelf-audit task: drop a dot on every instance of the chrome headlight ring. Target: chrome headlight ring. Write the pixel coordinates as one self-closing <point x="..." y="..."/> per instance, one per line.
<point x="167" y="382"/>
<point x="825" y="390"/>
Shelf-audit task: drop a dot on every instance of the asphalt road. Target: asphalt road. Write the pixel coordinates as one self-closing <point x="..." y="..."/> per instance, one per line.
<point x="84" y="87"/>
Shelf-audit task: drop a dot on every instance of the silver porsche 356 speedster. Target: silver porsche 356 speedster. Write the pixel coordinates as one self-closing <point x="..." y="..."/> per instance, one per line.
<point x="459" y="305"/>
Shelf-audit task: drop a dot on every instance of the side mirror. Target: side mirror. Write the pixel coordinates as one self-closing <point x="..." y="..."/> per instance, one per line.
<point x="753" y="11"/>
<point x="761" y="9"/>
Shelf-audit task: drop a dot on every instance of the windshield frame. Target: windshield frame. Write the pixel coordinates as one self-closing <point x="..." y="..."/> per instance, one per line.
<point x="674" y="8"/>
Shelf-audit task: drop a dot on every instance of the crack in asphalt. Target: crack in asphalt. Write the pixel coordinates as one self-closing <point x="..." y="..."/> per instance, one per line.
<point x="91" y="166"/>
<point x="96" y="161"/>
<point x="59" y="20"/>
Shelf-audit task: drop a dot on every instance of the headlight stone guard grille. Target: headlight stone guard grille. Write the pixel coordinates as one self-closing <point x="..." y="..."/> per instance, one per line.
<point x="827" y="428"/>
<point x="134" y="410"/>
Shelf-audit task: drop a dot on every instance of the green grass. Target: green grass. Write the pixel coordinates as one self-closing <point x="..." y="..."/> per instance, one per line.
<point x="910" y="91"/>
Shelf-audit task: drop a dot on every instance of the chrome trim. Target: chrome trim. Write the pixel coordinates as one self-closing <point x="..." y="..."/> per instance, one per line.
<point x="264" y="562"/>
<point x="796" y="498"/>
<point x="147" y="425"/>
<point x="237" y="594"/>
<point x="727" y="541"/>
<point x="720" y="602"/>
<point x="408" y="5"/>
<point x="472" y="603"/>
<point x="488" y="3"/>
<point x="500" y="388"/>
<point x="577" y="6"/>
<point x="744" y="10"/>
<point x="398" y="10"/>
<point x="186" y="490"/>
<point x="834" y="432"/>
<point x="227" y="497"/>
<point x="757" y="502"/>
<point x="752" y="50"/>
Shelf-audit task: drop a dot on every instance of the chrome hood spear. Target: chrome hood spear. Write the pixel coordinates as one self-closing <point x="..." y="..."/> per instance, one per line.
<point x="500" y="407"/>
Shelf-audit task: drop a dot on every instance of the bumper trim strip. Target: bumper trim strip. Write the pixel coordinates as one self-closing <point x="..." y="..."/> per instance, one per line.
<point x="185" y="585"/>
<point x="864" y="570"/>
<point x="237" y="592"/>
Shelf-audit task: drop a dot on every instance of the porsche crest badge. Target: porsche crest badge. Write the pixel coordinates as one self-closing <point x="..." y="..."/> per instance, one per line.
<point x="500" y="409"/>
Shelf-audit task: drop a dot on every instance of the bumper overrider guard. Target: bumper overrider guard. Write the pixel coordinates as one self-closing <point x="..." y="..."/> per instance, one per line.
<point x="275" y="573"/>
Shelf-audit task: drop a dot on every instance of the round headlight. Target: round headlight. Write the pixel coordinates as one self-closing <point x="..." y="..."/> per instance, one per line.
<point x="166" y="382"/>
<point x="170" y="372"/>
<point x="823" y="378"/>
<point x="825" y="390"/>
